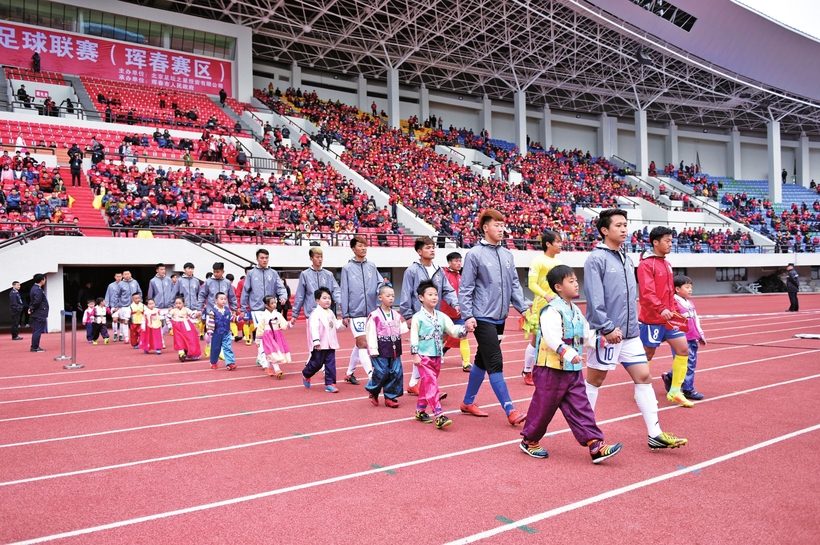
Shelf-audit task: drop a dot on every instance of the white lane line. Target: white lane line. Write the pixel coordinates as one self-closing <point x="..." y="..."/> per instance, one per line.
<point x="369" y="425"/>
<point x="488" y="533"/>
<point x="182" y="384"/>
<point x="629" y="488"/>
<point x="276" y="409"/>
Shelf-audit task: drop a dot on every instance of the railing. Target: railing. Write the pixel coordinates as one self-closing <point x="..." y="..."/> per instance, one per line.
<point x="60" y="110"/>
<point x="232" y="235"/>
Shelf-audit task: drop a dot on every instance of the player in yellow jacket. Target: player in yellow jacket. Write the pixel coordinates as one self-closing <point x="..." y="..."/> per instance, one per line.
<point x="537" y="282"/>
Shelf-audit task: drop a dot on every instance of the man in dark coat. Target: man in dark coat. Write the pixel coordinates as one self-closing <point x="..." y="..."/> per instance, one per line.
<point x="792" y="287"/>
<point x="16" y="306"/>
<point x="38" y="310"/>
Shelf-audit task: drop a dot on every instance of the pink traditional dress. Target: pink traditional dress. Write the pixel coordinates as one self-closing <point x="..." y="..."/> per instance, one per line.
<point x="151" y="336"/>
<point x="274" y="345"/>
<point x="186" y="337"/>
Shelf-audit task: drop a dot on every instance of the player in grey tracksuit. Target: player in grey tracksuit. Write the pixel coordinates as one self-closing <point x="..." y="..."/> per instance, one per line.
<point x="260" y="282"/>
<point x="112" y="300"/>
<point x="161" y="290"/>
<point x="128" y="287"/>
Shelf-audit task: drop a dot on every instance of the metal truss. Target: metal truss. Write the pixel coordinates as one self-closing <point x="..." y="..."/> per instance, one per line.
<point x="565" y="54"/>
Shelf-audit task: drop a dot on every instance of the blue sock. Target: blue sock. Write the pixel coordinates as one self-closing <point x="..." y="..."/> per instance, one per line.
<point x="501" y="392"/>
<point x="473" y="384"/>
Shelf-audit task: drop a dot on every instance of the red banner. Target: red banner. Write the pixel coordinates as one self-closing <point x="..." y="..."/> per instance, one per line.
<point x="107" y="59"/>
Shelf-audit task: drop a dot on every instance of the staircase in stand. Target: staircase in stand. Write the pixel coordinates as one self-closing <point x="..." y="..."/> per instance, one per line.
<point x="85" y="211"/>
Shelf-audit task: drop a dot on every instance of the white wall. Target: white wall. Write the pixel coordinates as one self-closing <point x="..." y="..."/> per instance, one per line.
<point x="49" y="254"/>
<point x="469" y="118"/>
<point x="567" y="136"/>
<point x="626" y="145"/>
<point x="713" y="155"/>
<point x="754" y="161"/>
<point x="657" y="151"/>
<point x="814" y="165"/>
<point x="503" y="127"/>
<point x="787" y="161"/>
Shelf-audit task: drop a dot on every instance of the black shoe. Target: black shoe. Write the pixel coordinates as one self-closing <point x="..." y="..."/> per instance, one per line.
<point x="351" y="379"/>
<point x="37" y="350"/>
<point x="667" y="381"/>
<point x="693" y="395"/>
<point x="17" y="338"/>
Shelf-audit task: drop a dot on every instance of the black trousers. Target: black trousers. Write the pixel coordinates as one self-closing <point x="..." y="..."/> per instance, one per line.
<point x="488" y="353"/>
<point x="15" y="323"/>
<point x="793" y="305"/>
<point x="38" y="327"/>
<point x="75" y="177"/>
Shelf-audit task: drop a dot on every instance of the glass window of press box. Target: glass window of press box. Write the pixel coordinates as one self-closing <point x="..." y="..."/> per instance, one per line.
<point x="117" y="27"/>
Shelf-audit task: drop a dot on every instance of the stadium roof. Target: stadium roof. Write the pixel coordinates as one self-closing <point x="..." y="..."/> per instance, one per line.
<point x="567" y="54"/>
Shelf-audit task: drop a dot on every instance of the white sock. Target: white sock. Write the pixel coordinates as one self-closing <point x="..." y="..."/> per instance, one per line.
<point x="592" y="394"/>
<point x="114" y="328"/>
<point x="529" y="358"/>
<point x="415" y="377"/>
<point x="364" y="358"/>
<point x="648" y="405"/>
<point x="260" y="354"/>
<point x="354" y="360"/>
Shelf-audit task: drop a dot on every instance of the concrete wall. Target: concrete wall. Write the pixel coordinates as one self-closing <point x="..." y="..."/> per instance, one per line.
<point x="50" y="254"/>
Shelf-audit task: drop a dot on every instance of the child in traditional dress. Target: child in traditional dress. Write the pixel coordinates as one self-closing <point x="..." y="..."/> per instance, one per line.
<point x="273" y="340"/>
<point x="137" y="312"/>
<point x="426" y="340"/>
<point x="383" y="330"/>
<point x="186" y="337"/>
<point x="218" y="327"/>
<point x="88" y="319"/>
<point x="322" y="325"/>
<point x="98" y="327"/>
<point x="559" y="381"/>
<point x="151" y="336"/>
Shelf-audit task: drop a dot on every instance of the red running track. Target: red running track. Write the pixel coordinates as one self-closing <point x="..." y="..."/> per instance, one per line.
<point x="145" y="449"/>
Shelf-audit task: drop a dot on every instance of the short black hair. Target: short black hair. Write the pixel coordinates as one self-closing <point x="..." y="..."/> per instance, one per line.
<point x="218" y="266"/>
<point x="318" y="293"/>
<point x="188" y="265"/>
<point x="262" y="251"/>
<point x="421" y="242"/>
<point x="208" y="275"/>
<point x="557" y="275"/>
<point x="159" y="265"/>
<point x="548" y="238"/>
<point x="99" y="300"/>
<point x="424" y="285"/>
<point x="229" y="277"/>
<point x="658" y="233"/>
<point x="605" y="218"/>
<point x="218" y="294"/>
<point x="15" y="282"/>
<point x="682" y="279"/>
<point x="453" y="255"/>
<point x="180" y="297"/>
<point x="39" y="277"/>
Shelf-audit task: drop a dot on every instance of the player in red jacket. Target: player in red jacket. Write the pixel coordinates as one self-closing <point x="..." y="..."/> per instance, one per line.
<point x="656" y="296"/>
<point x="453" y="274"/>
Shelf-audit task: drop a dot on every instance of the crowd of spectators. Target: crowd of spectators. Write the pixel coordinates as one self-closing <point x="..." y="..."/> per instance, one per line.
<point x="309" y="201"/>
<point x="31" y="195"/>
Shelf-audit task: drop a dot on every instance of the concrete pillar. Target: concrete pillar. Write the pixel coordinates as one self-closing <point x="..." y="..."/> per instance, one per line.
<point x="734" y="155"/>
<point x="364" y="104"/>
<point x="520" y="107"/>
<point x="641" y="143"/>
<point x="393" y="113"/>
<point x="671" y="145"/>
<point x="803" y="161"/>
<point x="55" y="294"/>
<point x="546" y="128"/>
<point x="243" y="67"/>
<point x="295" y="75"/>
<point x="775" y="162"/>
<point x="486" y="120"/>
<point x="424" y="103"/>
<point x="608" y="136"/>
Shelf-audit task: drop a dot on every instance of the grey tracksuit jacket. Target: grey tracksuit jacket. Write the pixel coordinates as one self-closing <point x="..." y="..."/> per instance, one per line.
<point x="360" y="288"/>
<point x="162" y="291"/>
<point x="611" y="292"/>
<point x="413" y="276"/>
<point x="188" y="288"/>
<point x="489" y="283"/>
<point x="309" y="281"/>
<point x="258" y="284"/>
